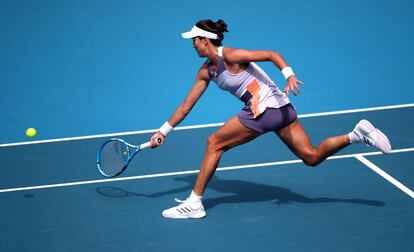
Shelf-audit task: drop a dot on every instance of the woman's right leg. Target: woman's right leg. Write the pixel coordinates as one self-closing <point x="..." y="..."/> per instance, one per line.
<point x="297" y="140"/>
<point x="231" y="134"/>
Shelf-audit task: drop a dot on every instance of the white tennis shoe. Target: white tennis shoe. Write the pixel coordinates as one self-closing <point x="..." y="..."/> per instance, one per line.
<point x="372" y="136"/>
<point x="185" y="210"/>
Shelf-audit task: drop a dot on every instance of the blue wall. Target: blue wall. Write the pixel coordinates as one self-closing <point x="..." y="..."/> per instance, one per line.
<point x="72" y="68"/>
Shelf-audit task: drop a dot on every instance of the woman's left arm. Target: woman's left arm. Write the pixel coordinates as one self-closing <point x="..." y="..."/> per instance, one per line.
<point x="240" y="56"/>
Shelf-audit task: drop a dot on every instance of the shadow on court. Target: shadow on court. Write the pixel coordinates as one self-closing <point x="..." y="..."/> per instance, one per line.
<point x="243" y="191"/>
<point x="115" y="192"/>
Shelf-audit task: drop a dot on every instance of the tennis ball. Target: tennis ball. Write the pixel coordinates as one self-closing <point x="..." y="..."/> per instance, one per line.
<point x="31" y="132"/>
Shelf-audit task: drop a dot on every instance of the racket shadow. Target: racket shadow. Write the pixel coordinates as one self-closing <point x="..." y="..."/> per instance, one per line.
<point x="115" y="192"/>
<point x="245" y="191"/>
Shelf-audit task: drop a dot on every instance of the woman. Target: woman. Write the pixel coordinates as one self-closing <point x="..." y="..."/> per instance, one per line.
<point x="266" y="109"/>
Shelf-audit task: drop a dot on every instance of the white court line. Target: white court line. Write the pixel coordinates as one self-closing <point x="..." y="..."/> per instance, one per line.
<point x="339" y="112"/>
<point x="228" y="168"/>
<point x="108" y="135"/>
<point x="385" y="175"/>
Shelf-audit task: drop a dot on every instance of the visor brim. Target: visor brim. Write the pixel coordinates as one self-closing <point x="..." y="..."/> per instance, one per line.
<point x="188" y="35"/>
<point x="197" y="32"/>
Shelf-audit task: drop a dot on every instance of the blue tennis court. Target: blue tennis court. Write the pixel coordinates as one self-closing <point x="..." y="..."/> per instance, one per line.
<point x="81" y="72"/>
<point x="258" y="200"/>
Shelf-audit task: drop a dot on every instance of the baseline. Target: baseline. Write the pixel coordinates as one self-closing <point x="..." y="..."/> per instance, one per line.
<point x="238" y="167"/>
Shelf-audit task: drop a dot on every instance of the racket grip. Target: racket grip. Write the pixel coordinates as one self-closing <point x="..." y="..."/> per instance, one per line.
<point x="145" y="145"/>
<point x="148" y="144"/>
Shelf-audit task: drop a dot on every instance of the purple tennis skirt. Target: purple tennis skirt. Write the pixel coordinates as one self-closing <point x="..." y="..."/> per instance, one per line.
<point x="272" y="119"/>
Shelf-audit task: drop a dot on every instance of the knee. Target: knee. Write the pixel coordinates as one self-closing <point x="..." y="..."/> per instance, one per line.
<point x="214" y="144"/>
<point x="311" y="163"/>
<point x="311" y="159"/>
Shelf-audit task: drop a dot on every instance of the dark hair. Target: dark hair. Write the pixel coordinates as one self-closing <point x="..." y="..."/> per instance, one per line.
<point x="218" y="28"/>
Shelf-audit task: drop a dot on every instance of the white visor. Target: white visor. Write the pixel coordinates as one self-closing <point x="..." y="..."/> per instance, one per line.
<point x="197" y="32"/>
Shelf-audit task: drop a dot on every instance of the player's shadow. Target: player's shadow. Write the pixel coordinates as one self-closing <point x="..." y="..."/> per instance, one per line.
<point x="244" y="191"/>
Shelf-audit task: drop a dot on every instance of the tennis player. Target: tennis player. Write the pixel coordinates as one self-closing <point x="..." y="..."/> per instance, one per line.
<point x="267" y="109"/>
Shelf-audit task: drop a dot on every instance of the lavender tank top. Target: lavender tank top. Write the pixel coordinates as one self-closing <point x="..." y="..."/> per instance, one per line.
<point x="253" y="86"/>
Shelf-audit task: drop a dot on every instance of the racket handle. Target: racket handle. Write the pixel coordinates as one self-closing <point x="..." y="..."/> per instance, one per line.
<point x="145" y="145"/>
<point x="148" y="144"/>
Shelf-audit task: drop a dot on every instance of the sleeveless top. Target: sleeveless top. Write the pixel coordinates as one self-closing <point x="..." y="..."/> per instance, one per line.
<point x="252" y="86"/>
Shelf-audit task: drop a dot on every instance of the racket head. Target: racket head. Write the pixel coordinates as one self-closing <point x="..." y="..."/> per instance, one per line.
<point x="114" y="156"/>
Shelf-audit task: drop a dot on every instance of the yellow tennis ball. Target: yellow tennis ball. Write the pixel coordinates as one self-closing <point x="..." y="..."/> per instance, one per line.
<point x="31" y="132"/>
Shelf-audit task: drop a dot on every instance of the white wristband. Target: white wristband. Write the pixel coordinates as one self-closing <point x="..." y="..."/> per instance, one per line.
<point x="166" y="128"/>
<point x="287" y="72"/>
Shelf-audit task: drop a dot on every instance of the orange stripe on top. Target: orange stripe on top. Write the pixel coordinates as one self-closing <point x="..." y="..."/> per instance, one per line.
<point x="254" y="89"/>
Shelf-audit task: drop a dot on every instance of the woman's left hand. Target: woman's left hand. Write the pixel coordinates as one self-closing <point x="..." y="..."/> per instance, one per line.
<point x="292" y="85"/>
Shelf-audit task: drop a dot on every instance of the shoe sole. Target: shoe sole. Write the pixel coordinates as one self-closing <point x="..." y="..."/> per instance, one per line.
<point x="365" y="124"/>
<point x="180" y="216"/>
<point x="381" y="140"/>
<point x="382" y="143"/>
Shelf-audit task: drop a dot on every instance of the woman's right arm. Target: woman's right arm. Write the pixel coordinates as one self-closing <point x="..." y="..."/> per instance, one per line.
<point x="200" y="85"/>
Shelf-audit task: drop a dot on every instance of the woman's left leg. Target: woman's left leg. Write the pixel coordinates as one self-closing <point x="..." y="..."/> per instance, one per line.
<point x="295" y="137"/>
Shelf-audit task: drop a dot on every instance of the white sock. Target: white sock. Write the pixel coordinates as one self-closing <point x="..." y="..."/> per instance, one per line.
<point x="194" y="198"/>
<point x="353" y="138"/>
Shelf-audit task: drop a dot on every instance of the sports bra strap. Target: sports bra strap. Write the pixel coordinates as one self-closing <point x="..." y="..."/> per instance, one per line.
<point x="220" y="51"/>
<point x="210" y="73"/>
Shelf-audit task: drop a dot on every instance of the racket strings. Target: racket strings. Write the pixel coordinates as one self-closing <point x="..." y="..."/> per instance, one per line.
<point x="114" y="156"/>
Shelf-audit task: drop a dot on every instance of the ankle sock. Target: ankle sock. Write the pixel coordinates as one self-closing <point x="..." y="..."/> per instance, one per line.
<point x="353" y="138"/>
<point x="194" y="197"/>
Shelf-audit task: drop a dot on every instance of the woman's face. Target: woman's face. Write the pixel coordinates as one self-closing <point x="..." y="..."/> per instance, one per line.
<point x="200" y="45"/>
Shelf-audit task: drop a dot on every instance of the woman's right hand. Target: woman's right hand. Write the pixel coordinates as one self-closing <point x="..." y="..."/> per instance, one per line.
<point x="154" y="140"/>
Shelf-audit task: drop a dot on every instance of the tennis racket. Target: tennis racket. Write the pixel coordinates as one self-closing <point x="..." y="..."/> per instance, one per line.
<point x="114" y="156"/>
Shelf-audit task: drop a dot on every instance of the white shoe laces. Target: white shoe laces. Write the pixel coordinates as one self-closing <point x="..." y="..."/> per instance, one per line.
<point x="179" y="201"/>
<point x="184" y="203"/>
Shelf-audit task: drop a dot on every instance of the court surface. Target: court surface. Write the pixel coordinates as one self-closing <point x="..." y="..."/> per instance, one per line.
<point x="262" y="198"/>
